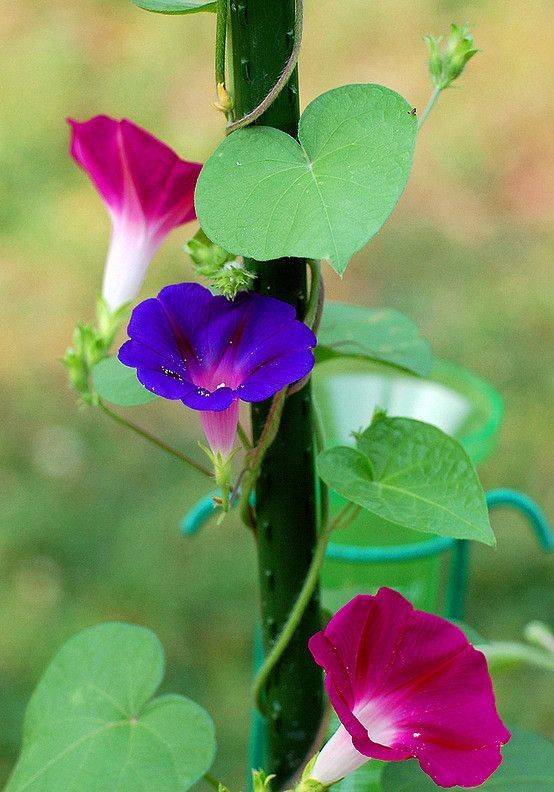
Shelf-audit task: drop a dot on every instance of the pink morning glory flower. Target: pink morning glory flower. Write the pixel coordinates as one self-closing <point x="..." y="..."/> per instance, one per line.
<point x="406" y="684"/>
<point x="148" y="190"/>
<point x="211" y="352"/>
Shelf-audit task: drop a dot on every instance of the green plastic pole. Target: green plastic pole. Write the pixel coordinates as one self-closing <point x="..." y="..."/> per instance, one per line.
<point x="262" y="33"/>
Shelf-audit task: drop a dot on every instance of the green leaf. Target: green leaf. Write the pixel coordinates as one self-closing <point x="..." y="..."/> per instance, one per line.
<point x="377" y="334"/>
<point x="528" y="766"/>
<point x="412" y="474"/>
<point x="176" y="6"/>
<point x="118" y="384"/>
<point x="92" y="725"/>
<point x="264" y="195"/>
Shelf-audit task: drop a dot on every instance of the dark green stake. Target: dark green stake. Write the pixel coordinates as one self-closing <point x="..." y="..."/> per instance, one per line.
<point x="262" y="37"/>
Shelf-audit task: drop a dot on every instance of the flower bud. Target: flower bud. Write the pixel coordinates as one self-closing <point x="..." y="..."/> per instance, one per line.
<point x="447" y="64"/>
<point x="87" y="350"/>
<point x="227" y="274"/>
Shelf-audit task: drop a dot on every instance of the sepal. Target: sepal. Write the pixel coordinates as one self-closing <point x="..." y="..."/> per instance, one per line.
<point x="307" y="782"/>
<point x="108" y="321"/>
<point x="261" y="781"/>
<point x="223" y="472"/>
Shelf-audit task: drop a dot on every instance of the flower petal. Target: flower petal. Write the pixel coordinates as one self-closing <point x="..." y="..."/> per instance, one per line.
<point x="150" y="328"/>
<point x="148" y="190"/>
<point x="407" y="683"/>
<point x="201" y="324"/>
<point x="164" y="184"/>
<point x="214" y="401"/>
<point x="274" y="375"/>
<point x="129" y="254"/>
<point x="220" y="428"/>
<point x="95" y="147"/>
<point x="338" y="759"/>
<point x="152" y="371"/>
<point x="128" y="165"/>
<point x="247" y="348"/>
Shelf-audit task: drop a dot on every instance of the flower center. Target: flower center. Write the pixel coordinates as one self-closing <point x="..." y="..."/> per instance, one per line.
<point x="378" y="719"/>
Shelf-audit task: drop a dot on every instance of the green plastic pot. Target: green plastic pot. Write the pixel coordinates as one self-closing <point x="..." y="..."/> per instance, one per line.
<point x="373" y="552"/>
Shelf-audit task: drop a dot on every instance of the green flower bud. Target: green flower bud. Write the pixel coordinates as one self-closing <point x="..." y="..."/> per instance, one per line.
<point x="207" y="256"/>
<point x="90" y="345"/>
<point x="227" y="274"/>
<point x="232" y="278"/>
<point x="447" y="64"/>
<point x="78" y="373"/>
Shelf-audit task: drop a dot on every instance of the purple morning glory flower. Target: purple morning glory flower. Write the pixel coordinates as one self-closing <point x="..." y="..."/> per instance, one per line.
<point x="211" y="352"/>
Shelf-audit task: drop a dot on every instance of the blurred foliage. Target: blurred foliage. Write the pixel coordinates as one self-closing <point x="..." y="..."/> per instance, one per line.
<point x="88" y="515"/>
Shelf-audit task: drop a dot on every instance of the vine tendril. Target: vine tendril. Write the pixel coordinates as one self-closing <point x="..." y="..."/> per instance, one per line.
<point x="283" y="79"/>
<point x="182" y="457"/>
<point x="344" y="517"/>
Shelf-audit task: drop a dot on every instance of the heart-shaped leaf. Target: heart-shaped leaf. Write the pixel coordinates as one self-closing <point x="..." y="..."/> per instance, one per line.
<point x="92" y="725"/>
<point x="411" y="474"/>
<point x="118" y="384"/>
<point x="176" y="6"/>
<point x="377" y="334"/>
<point x="264" y="195"/>
<point x="527" y="766"/>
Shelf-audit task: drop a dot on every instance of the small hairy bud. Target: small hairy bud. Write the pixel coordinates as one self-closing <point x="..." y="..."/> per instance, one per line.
<point x="226" y="273"/>
<point x="447" y="63"/>
<point x="91" y="344"/>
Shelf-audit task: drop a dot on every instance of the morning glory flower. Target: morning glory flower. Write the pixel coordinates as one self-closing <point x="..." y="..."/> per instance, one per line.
<point x="148" y="190"/>
<point x="211" y="352"/>
<point x="406" y="684"/>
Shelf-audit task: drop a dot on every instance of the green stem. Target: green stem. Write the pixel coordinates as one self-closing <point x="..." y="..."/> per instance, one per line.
<point x="429" y="106"/>
<point x="212" y="781"/>
<point x="346" y="514"/>
<point x="256" y="458"/>
<point x="315" y="301"/>
<point x="220" y="41"/>
<point x="154" y="440"/>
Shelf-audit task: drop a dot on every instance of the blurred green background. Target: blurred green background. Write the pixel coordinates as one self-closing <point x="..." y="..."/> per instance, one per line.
<point x="89" y="516"/>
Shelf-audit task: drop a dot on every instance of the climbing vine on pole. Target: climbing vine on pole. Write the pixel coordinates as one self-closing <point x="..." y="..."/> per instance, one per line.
<point x="284" y="202"/>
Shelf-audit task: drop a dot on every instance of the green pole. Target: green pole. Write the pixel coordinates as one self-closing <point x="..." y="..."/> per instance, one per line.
<point x="262" y="37"/>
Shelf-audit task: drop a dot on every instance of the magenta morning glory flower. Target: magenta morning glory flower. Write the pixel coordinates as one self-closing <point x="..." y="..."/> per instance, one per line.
<point x="147" y="190"/>
<point x="405" y="684"/>
<point x="209" y="352"/>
